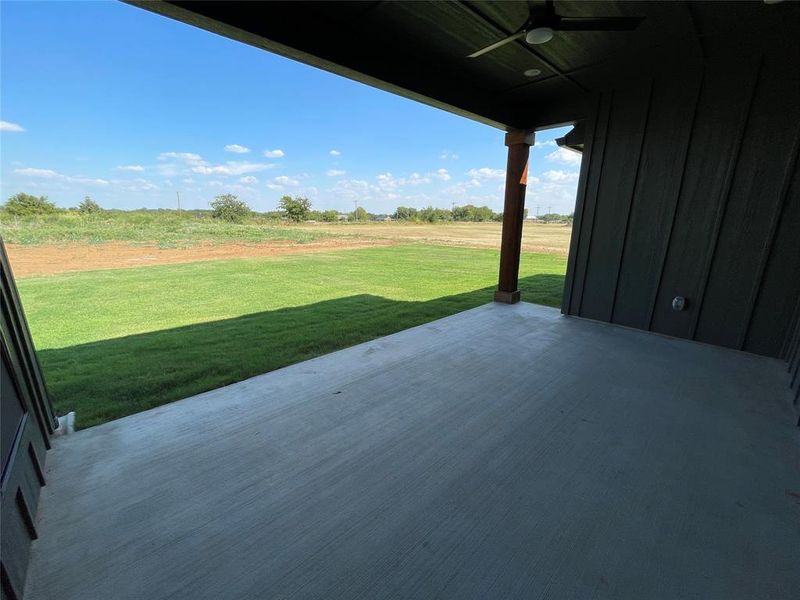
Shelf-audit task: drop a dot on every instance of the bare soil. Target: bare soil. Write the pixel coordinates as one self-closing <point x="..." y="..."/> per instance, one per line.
<point x="536" y="237"/>
<point x="31" y="261"/>
<point x="47" y="259"/>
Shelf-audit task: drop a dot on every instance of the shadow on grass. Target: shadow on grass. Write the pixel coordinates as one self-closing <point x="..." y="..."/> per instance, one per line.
<point x="112" y="378"/>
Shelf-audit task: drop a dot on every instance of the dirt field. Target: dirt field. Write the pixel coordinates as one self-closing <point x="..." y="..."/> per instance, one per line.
<point x="536" y="237"/>
<point x="46" y="259"/>
<point x="30" y="261"/>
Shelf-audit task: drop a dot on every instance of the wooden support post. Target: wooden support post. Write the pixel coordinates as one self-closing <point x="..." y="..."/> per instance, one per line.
<point x="519" y="143"/>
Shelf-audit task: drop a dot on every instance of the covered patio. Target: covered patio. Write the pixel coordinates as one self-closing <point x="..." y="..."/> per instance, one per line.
<point x="642" y="445"/>
<point x="504" y="452"/>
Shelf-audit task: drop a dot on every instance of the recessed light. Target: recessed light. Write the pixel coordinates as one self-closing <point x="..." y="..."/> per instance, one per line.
<point x="532" y="73"/>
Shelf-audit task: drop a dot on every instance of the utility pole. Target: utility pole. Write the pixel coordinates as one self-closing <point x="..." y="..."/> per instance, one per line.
<point x="549" y="210"/>
<point x="537" y="210"/>
<point x="179" y="200"/>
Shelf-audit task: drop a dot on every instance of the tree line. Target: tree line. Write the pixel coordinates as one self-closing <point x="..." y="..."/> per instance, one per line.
<point x="228" y="207"/>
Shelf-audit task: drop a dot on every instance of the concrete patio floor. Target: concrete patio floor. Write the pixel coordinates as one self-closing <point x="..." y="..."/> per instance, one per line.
<point x="503" y="452"/>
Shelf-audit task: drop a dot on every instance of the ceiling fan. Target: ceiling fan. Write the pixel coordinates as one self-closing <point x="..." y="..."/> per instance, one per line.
<point x="543" y="22"/>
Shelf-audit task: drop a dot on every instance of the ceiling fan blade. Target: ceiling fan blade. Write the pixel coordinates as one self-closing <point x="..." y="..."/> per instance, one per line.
<point x="496" y="45"/>
<point x="598" y="23"/>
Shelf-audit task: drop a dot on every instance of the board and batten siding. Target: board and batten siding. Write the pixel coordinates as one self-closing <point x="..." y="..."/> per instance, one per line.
<point x="791" y="352"/>
<point x="690" y="187"/>
<point x="27" y="423"/>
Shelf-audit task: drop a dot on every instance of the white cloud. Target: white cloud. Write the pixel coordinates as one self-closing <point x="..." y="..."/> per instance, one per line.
<point x="237" y="149"/>
<point x="353" y="189"/>
<point x="6" y="126"/>
<point x="472" y="192"/>
<point x="560" y="176"/>
<point x="285" y="180"/>
<point x="167" y="169"/>
<point x="231" y="168"/>
<point x="87" y="180"/>
<point x="135" y="168"/>
<point x="189" y="158"/>
<point x="335" y="153"/>
<point x="137" y="185"/>
<point x="50" y="174"/>
<point x="248" y="179"/>
<point x="277" y="153"/>
<point x="197" y="165"/>
<point x="415" y="179"/>
<point x="387" y="181"/>
<point x="486" y="173"/>
<point x="31" y="172"/>
<point x="564" y="156"/>
<point x="446" y="155"/>
<point x="335" y="173"/>
<point x="544" y="143"/>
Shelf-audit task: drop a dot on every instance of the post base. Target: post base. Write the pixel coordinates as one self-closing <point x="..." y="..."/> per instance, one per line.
<point x="507" y="297"/>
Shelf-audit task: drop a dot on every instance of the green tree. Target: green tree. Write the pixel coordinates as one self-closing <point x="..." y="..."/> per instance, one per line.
<point x="405" y="213"/>
<point x="22" y="205"/>
<point x="88" y="206"/>
<point x="360" y="214"/>
<point x="431" y="214"/>
<point x="229" y="208"/>
<point x="461" y="213"/>
<point x="468" y="212"/>
<point x="330" y="216"/>
<point x="296" y="209"/>
<point x="554" y="218"/>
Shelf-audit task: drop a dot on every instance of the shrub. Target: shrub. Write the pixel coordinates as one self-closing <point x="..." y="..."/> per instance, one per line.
<point x="296" y="209"/>
<point x="330" y="216"/>
<point x="88" y="206"/>
<point x="22" y="205"/>
<point x="229" y="208"/>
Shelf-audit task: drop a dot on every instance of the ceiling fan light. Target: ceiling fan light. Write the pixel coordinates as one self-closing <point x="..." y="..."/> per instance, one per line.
<point x="540" y="35"/>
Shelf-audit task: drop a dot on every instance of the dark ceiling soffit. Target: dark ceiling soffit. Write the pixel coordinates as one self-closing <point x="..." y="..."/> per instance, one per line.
<point x="474" y="10"/>
<point x="186" y="16"/>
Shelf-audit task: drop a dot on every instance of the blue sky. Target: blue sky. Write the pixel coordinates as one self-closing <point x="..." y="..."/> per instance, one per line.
<point x="108" y="100"/>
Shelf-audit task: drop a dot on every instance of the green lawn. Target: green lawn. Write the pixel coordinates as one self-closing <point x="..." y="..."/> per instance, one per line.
<point x="116" y="342"/>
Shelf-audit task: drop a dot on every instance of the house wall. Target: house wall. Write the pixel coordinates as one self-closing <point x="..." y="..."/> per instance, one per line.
<point x="792" y="356"/>
<point x="690" y="187"/>
<point x="27" y="423"/>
